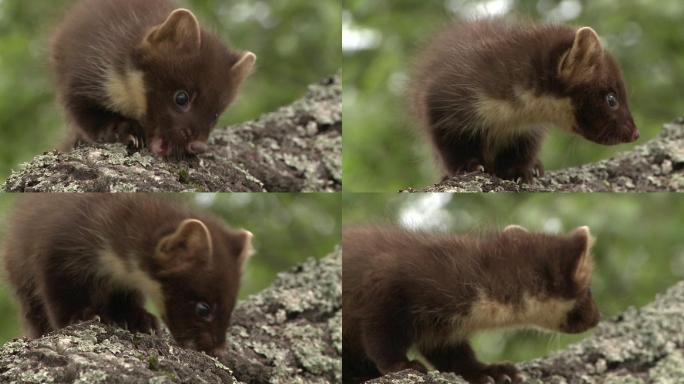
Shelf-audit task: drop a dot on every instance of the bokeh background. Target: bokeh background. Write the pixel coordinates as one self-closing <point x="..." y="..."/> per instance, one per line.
<point x="288" y="229"/>
<point x="383" y="150"/>
<point x="639" y="250"/>
<point x="297" y="41"/>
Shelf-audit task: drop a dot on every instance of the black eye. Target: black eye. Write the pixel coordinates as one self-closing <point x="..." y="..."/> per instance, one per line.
<point x="203" y="310"/>
<point x="612" y="101"/>
<point x="182" y="98"/>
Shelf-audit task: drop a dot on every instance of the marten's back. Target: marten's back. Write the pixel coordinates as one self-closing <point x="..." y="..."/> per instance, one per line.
<point x="98" y="35"/>
<point x="80" y="226"/>
<point x="484" y="57"/>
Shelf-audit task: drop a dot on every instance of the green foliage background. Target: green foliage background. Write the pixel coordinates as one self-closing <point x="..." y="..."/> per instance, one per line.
<point x="287" y="228"/>
<point x="297" y="42"/>
<point x="639" y="249"/>
<point x="383" y="150"/>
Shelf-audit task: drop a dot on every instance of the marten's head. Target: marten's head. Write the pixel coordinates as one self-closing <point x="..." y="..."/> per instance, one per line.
<point x="592" y="79"/>
<point x="553" y="276"/>
<point x="199" y="267"/>
<point x="187" y="78"/>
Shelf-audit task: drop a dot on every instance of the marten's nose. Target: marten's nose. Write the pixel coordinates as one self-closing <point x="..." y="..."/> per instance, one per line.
<point x="635" y="135"/>
<point x="197" y="147"/>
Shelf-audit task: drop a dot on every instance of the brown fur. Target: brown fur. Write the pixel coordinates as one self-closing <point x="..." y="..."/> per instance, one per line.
<point x="486" y="91"/>
<point x="71" y="257"/>
<point x="120" y="63"/>
<point x="432" y="291"/>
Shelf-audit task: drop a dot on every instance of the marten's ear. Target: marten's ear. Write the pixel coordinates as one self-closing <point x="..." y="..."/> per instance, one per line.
<point x="514" y="228"/>
<point x="581" y="61"/>
<point x="246" y="250"/>
<point x="243" y="68"/>
<point x="189" y="245"/>
<point x="583" y="264"/>
<point x="180" y="33"/>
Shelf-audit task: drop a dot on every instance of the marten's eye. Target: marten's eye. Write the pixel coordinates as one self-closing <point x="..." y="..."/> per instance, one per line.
<point x="203" y="310"/>
<point x="182" y="99"/>
<point x="612" y="101"/>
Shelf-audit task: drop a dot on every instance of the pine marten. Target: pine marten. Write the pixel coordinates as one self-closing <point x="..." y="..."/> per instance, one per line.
<point x="485" y="92"/>
<point x="143" y="72"/>
<point x="73" y="257"/>
<point x="405" y="289"/>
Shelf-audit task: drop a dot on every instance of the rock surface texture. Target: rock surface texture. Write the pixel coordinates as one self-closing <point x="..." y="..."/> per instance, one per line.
<point x="295" y="149"/>
<point x="639" y="346"/>
<point x="289" y="333"/>
<point x="657" y="166"/>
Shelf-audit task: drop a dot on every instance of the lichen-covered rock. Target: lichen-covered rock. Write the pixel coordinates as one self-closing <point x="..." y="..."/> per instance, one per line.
<point x="656" y="166"/>
<point x="639" y="346"/>
<point x="289" y="333"/>
<point x="292" y="332"/>
<point x="295" y="149"/>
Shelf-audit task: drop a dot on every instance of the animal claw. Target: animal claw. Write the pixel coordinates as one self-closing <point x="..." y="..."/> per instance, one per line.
<point x="132" y="139"/>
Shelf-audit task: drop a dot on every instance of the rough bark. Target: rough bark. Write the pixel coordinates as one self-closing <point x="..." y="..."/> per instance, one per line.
<point x="656" y="166"/>
<point x="639" y="346"/>
<point x="297" y="148"/>
<point x="289" y="333"/>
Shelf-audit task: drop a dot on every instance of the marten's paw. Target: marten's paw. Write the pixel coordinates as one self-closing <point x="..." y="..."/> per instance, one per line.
<point x="504" y="373"/>
<point x="474" y="165"/>
<point x="521" y="174"/>
<point x="124" y="131"/>
<point x="538" y="168"/>
<point x="143" y="322"/>
<point x="471" y="166"/>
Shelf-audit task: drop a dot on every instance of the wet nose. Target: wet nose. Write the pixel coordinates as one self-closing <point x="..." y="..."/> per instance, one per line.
<point x="635" y="135"/>
<point x="197" y="147"/>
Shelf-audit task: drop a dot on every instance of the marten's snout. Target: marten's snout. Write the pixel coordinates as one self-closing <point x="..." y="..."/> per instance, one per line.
<point x="632" y="133"/>
<point x="584" y="316"/>
<point x="635" y="135"/>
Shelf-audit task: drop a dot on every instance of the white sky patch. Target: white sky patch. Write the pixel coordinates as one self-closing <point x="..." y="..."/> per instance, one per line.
<point x="553" y="225"/>
<point x="205" y="200"/>
<point x="241" y="199"/>
<point x="427" y="212"/>
<point x="355" y="38"/>
<point x="566" y="10"/>
<point x="469" y="9"/>
<point x="259" y="11"/>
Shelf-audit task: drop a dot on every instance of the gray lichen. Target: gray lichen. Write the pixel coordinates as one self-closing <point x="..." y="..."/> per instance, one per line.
<point x="289" y="333"/>
<point x="657" y="166"/>
<point x="639" y="346"/>
<point x="295" y="149"/>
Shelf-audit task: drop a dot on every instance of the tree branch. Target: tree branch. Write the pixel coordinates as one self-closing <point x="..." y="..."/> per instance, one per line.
<point x="289" y="333"/>
<point x="297" y="148"/>
<point x="656" y="166"/>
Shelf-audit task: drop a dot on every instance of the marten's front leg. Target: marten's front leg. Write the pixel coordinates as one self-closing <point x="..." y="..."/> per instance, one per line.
<point x="461" y="360"/>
